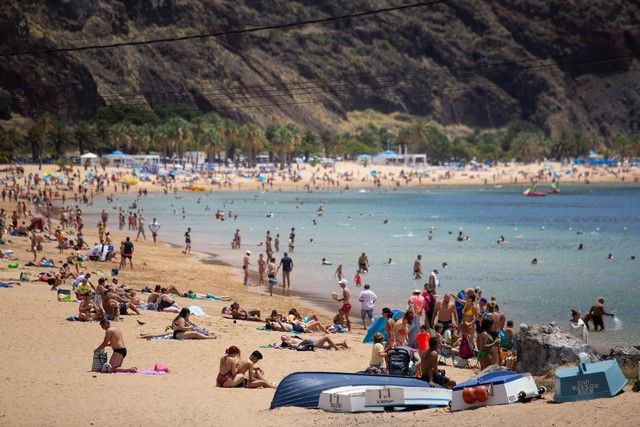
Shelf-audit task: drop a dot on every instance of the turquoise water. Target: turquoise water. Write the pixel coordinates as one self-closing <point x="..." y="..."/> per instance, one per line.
<point x="605" y="219"/>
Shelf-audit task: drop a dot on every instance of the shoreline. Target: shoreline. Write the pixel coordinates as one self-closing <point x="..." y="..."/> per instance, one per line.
<point x="34" y="360"/>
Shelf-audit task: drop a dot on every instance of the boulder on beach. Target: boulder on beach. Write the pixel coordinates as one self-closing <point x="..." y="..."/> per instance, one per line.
<point x="543" y="348"/>
<point x="626" y="356"/>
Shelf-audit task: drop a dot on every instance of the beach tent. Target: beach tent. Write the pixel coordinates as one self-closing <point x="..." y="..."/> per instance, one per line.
<point x="88" y="157"/>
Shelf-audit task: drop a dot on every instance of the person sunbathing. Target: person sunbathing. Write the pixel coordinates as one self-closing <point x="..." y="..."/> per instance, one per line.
<point x="229" y="376"/>
<point x="240" y="314"/>
<point x="89" y="311"/>
<point x="183" y="329"/>
<point x="254" y="375"/>
<point x="165" y="303"/>
<point x="296" y="341"/>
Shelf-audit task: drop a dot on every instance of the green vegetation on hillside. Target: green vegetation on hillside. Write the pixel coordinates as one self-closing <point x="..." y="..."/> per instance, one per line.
<point x="172" y="132"/>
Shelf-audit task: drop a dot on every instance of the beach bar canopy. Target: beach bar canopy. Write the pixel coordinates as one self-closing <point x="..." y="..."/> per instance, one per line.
<point x="88" y="157"/>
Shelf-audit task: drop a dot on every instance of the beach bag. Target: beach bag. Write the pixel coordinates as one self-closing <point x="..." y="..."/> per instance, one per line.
<point x="466" y="352"/>
<point x="399" y="361"/>
<point x="459" y="362"/>
<point x="99" y="359"/>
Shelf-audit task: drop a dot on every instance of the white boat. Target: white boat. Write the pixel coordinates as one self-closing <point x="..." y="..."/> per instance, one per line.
<point x="495" y="388"/>
<point x="347" y="399"/>
<point x="407" y="397"/>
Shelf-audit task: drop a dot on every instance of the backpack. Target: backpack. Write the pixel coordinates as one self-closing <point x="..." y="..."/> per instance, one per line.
<point x="399" y="361"/>
<point x="466" y="352"/>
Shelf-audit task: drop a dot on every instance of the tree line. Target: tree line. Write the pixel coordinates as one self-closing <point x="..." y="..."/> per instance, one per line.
<point x="172" y="132"/>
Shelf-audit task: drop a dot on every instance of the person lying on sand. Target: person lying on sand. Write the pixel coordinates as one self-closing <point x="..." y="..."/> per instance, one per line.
<point x="113" y="338"/>
<point x="240" y="314"/>
<point x="295" y="341"/>
<point x="183" y="329"/>
<point x="296" y="326"/>
<point x="166" y="303"/>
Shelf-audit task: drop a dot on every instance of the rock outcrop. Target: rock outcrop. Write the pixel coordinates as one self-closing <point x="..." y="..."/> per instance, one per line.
<point x="626" y="356"/>
<point x="544" y="348"/>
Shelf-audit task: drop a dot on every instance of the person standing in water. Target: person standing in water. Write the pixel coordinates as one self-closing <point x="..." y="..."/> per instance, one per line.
<point x="339" y="274"/>
<point x="417" y="268"/>
<point x="363" y="263"/>
<point x="287" y="265"/>
<point x="597" y="313"/>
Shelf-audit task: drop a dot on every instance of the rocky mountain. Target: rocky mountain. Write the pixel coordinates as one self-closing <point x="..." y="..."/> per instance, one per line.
<point x="482" y="63"/>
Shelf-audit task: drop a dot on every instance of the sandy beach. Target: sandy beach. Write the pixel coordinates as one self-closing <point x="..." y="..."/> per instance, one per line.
<point x="46" y="360"/>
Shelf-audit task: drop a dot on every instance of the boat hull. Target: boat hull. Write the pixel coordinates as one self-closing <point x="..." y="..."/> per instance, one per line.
<point x="303" y="389"/>
<point x="503" y="387"/>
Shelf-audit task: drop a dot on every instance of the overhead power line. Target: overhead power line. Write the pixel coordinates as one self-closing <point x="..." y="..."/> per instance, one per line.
<point x="223" y="33"/>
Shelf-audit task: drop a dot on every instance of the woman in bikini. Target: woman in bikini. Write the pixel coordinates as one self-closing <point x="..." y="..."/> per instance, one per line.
<point x="389" y="328"/>
<point x="401" y="330"/>
<point x="183" y="329"/>
<point x="469" y="315"/>
<point x="487" y="347"/>
<point x="229" y="377"/>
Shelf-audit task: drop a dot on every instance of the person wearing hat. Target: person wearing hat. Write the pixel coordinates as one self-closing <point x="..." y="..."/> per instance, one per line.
<point x="245" y="267"/>
<point x="417" y="302"/>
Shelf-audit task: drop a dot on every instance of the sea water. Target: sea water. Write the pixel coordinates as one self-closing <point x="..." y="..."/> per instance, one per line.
<point x="394" y="224"/>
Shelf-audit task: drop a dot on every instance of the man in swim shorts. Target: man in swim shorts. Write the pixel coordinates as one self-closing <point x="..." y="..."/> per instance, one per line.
<point x="287" y="266"/>
<point x="113" y="338"/>
<point x="417" y="268"/>
<point x="245" y="267"/>
<point x="363" y="263"/>
<point x="429" y="366"/>
<point x="597" y="313"/>
<point x="346" y="304"/>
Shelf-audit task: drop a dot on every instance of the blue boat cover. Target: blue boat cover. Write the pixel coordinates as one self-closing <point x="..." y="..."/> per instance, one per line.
<point x="497" y="377"/>
<point x="303" y="389"/>
<point x="378" y="326"/>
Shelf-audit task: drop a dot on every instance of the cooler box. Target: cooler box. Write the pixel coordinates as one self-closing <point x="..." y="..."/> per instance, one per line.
<point x="589" y="381"/>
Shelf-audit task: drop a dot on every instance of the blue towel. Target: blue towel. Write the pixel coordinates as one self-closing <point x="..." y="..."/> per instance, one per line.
<point x="5" y="285"/>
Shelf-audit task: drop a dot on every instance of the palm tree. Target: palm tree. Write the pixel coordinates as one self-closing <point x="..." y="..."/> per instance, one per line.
<point x="254" y="139"/>
<point x="178" y="133"/>
<point x="140" y="137"/>
<point x="285" y="139"/>
<point x="626" y="146"/>
<point x="86" y="136"/>
<point x="119" y="136"/>
<point x="571" y="143"/>
<point x="40" y="135"/>
<point x="529" y="147"/>
<point x="61" y="137"/>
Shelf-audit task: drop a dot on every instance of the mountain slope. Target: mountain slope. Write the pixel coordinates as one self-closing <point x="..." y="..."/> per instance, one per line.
<point x="481" y="63"/>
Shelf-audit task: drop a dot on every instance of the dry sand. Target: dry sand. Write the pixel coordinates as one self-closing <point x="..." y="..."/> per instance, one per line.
<point x="45" y="360"/>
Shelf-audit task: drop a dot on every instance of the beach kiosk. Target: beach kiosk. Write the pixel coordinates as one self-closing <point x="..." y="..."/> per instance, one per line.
<point x="589" y="381"/>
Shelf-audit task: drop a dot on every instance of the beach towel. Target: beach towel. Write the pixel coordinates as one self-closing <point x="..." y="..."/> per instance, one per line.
<point x="262" y="328"/>
<point x="216" y="298"/>
<point x="162" y="338"/>
<point x="4" y="286"/>
<point x="143" y="372"/>
<point x="196" y="311"/>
